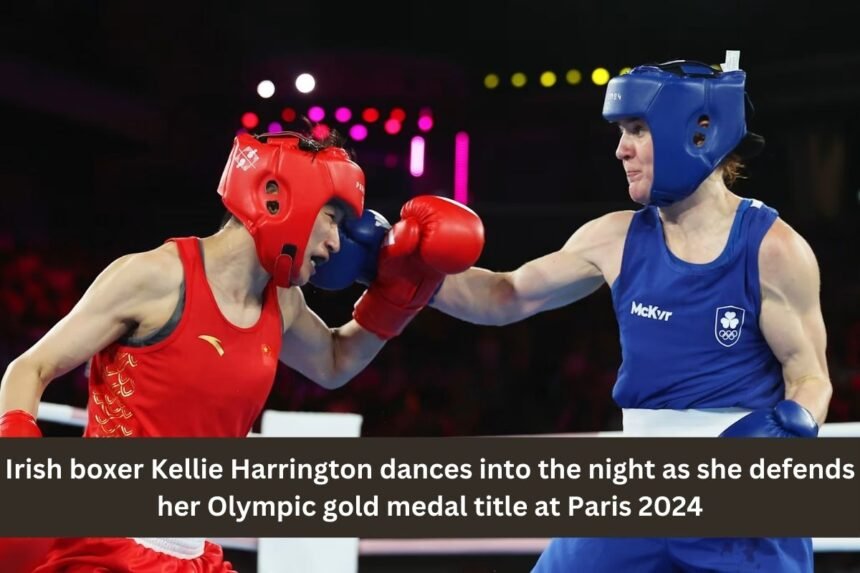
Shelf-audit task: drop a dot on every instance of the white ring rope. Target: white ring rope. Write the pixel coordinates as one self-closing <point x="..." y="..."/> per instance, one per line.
<point x="69" y="415"/>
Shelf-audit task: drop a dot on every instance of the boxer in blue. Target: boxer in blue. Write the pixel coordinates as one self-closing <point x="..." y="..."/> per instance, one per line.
<point x="716" y="299"/>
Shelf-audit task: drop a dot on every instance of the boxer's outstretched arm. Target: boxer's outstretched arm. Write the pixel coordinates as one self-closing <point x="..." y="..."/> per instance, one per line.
<point x="111" y="306"/>
<point x="554" y="280"/>
<point x="328" y="356"/>
<point x="791" y="318"/>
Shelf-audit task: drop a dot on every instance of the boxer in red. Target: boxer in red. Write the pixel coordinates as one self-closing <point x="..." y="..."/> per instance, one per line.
<point x="185" y="338"/>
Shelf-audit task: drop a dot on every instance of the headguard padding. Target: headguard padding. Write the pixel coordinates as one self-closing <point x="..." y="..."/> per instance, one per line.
<point x="276" y="184"/>
<point x="696" y="116"/>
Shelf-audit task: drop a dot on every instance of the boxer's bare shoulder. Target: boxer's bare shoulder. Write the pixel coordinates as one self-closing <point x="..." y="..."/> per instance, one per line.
<point x="151" y="281"/>
<point x="601" y="242"/>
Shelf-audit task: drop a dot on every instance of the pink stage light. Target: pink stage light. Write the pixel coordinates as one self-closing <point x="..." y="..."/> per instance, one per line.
<point x="275" y="127"/>
<point x="392" y="126"/>
<point x="425" y="123"/>
<point x="416" y="156"/>
<point x="461" y="167"/>
<point x="316" y="113"/>
<point x="358" y="132"/>
<point x="343" y="114"/>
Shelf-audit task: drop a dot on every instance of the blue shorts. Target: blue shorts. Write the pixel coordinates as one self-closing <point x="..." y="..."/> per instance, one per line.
<point x="679" y="554"/>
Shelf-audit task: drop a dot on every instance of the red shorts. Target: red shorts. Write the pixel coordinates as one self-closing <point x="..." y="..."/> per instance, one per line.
<point x="21" y="554"/>
<point x="118" y="555"/>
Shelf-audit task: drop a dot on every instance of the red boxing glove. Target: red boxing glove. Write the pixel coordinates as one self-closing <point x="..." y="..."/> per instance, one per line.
<point x="19" y="424"/>
<point x="434" y="237"/>
<point x="21" y="554"/>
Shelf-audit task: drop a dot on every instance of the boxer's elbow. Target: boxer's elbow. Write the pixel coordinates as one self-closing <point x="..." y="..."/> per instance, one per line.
<point x="332" y="382"/>
<point x="506" y="305"/>
<point x="23" y="383"/>
<point x="350" y="352"/>
<point x="328" y="371"/>
<point x="328" y="378"/>
<point x="29" y="370"/>
<point x="481" y="297"/>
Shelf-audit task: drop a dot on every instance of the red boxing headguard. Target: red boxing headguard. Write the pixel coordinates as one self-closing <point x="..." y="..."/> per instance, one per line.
<point x="276" y="185"/>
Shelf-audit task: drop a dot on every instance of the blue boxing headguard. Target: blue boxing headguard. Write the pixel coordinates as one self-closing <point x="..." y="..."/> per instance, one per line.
<point x="696" y="116"/>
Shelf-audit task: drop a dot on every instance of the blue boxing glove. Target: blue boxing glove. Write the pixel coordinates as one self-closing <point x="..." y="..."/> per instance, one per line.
<point x="788" y="419"/>
<point x="360" y="240"/>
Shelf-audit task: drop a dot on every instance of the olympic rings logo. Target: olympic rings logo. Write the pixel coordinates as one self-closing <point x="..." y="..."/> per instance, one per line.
<point x="728" y="334"/>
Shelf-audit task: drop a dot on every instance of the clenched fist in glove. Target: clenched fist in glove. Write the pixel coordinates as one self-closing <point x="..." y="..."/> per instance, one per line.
<point x="434" y="237"/>
<point x="787" y="419"/>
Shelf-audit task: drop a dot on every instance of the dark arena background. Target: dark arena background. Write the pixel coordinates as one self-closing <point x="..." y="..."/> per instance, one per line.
<point x="118" y="117"/>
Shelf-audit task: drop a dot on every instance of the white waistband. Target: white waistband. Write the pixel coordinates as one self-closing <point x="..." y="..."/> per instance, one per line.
<point x="179" y="547"/>
<point x="642" y="423"/>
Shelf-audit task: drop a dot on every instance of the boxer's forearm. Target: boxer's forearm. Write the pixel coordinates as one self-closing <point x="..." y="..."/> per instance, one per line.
<point x="813" y="393"/>
<point x="548" y="282"/>
<point x="352" y="350"/>
<point x="479" y="296"/>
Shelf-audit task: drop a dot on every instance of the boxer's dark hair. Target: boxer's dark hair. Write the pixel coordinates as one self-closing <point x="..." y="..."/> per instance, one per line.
<point x="226" y="219"/>
<point x="333" y="139"/>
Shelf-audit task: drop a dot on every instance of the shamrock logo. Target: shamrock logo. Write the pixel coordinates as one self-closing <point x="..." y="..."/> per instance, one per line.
<point x="729" y="320"/>
<point x="728" y="323"/>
